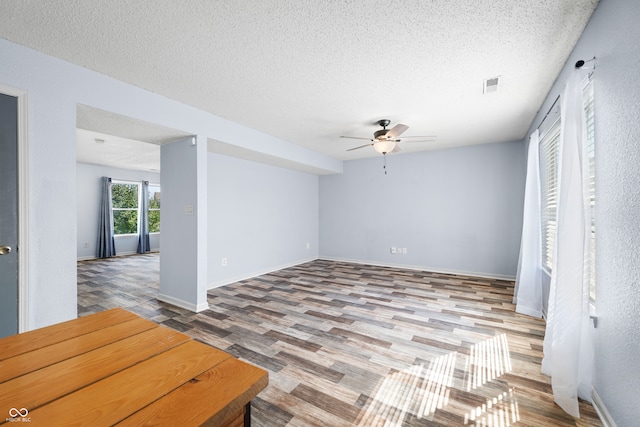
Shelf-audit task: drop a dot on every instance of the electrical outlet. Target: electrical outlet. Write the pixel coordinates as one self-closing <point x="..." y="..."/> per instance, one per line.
<point x="393" y="249"/>
<point x="308" y="245"/>
<point x="404" y="251"/>
<point x="86" y="245"/>
<point x="224" y="262"/>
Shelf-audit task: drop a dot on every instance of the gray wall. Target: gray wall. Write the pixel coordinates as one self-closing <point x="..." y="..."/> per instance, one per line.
<point x="455" y="210"/>
<point x="183" y="258"/>
<point x="613" y="36"/>
<point x="51" y="244"/>
<point x="89" y="190"/>
<point x="260" y="218"/>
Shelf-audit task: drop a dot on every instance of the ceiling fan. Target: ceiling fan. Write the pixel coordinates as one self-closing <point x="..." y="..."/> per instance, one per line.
<point x="385" y="140"/>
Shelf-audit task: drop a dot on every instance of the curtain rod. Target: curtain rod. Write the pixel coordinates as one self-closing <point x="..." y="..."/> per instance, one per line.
<point x="547" y="115"/>
<point x="578" y="64"/>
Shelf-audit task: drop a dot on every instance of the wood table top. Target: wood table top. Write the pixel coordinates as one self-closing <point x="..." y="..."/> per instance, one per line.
<point x="115" y="368"/>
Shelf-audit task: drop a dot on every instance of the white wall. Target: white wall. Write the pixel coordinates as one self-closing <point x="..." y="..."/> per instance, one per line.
<point x="89" y="192"/>
<point x="55" y="88"/>
<point x="261" y="218"/>
<point x="613" y="36"/>
<point x="455" y="210"/>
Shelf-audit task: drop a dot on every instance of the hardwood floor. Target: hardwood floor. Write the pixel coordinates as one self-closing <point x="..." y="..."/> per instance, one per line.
<point x="355" y="345"/>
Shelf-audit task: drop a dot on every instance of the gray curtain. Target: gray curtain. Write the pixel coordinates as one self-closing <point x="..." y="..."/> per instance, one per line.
<point x="143" y="230"/>
<point x="106" y="243"/>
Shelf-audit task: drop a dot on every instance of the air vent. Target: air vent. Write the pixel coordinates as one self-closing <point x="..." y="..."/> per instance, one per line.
<point x="491" y="85"/>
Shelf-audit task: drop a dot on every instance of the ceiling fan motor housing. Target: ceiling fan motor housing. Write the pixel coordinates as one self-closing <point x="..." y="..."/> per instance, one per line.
<point x="380" y="134"/>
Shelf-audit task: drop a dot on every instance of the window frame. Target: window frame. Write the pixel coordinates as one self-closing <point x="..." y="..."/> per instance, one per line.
<point x="549" y="156"/>
<point x="137" y="208"/>
<point x="156" y="209"/>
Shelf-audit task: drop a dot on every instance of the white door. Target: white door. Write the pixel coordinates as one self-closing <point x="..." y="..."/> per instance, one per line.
<point x="8" y="215"/>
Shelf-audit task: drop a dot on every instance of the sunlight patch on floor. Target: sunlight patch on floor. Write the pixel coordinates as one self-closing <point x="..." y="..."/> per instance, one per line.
<point x="420" y="390"/>
<point x="501" y="411"/>
<point x="488" y="360"/>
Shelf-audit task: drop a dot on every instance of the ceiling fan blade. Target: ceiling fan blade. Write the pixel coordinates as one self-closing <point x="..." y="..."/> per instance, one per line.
<point x="396" y="149"/>
<point x="418" y="140"/>
<point x="357" y="137"/>
<point x="396" y="131"/>
<point x="420" y="137"/>
<point x="362" y="146"/>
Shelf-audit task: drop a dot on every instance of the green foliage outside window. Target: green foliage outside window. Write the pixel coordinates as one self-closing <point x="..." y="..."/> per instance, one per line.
<point x="154" y="209"/>
<point x="125" y="222"/>
<point x="125" y="208"/>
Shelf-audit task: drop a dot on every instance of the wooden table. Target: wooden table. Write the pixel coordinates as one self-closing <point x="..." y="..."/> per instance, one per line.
<point x="115" y="368"/>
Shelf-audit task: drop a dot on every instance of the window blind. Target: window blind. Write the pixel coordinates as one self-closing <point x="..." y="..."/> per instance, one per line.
<point x="549" y="157"/>
<point x="589" y="114"/>
<point x="549" y="152"/>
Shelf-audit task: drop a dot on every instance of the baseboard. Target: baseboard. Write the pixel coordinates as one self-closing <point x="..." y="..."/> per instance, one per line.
<point x="183" y="304"/>
<point x="91" y="257"/>
<point x="602" y="411"/>
<point x="422" y="268"/>
<point x="257" y="273"/>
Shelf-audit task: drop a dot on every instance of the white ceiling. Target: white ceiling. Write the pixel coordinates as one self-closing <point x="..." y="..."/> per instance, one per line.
<point x="310" y="71"/>
<point x="114" y="151"/>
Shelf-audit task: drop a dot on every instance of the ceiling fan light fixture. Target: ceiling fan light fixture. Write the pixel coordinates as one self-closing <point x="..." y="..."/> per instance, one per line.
<point x="384" y="147"/>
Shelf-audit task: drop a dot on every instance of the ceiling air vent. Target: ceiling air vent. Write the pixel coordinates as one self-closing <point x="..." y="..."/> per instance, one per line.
<point x="491" y="85"/>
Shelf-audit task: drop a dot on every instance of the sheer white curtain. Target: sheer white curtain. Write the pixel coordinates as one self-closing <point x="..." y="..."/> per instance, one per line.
<point x="528" y="291"/>
<point x="568" y="349"/>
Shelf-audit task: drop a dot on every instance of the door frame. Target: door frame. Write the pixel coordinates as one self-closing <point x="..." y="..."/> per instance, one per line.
<point x="23" y="203"/>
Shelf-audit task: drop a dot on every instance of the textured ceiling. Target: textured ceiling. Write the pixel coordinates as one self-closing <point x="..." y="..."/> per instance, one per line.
<point x="310" y="71"/>
<point x="108" y="150"/>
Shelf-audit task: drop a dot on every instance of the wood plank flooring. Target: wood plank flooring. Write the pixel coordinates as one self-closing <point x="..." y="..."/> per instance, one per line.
<point x="356" y="345"/>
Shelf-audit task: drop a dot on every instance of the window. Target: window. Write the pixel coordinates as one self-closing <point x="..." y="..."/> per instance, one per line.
<point x="549" y="157"/>
<point x="124" y="197"/>
<point x="591" y="167"/>
<point x="549" y="153"/>
<point x="154" y="208"/>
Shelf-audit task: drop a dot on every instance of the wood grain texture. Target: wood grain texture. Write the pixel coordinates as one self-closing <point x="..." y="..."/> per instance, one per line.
<point x="45" y="356"/>
<point x="32" y="340"/>
<point x="112" y="399"/>
<point x="348" y="344"/>
<point x="223" y="389"/>
<point x="85" y="369"/>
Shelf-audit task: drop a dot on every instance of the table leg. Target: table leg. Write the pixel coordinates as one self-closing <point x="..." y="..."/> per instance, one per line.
<point x="247" y="415"/>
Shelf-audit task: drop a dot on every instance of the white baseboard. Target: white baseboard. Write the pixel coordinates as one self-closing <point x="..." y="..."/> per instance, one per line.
<point x="422" y="268"/>
<point x="602" y="411"/>
<point x="183" y="304"/>
<point x="90" y="257"/>
<point x="256" y="273"/>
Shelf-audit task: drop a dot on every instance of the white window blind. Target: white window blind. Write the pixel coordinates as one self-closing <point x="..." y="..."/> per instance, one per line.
<point x="591" y="165"/>
<point x="549" y="152"/>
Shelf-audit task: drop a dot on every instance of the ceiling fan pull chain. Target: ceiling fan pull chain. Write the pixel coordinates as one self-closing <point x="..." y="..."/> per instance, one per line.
<point x="384" y="156"/>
